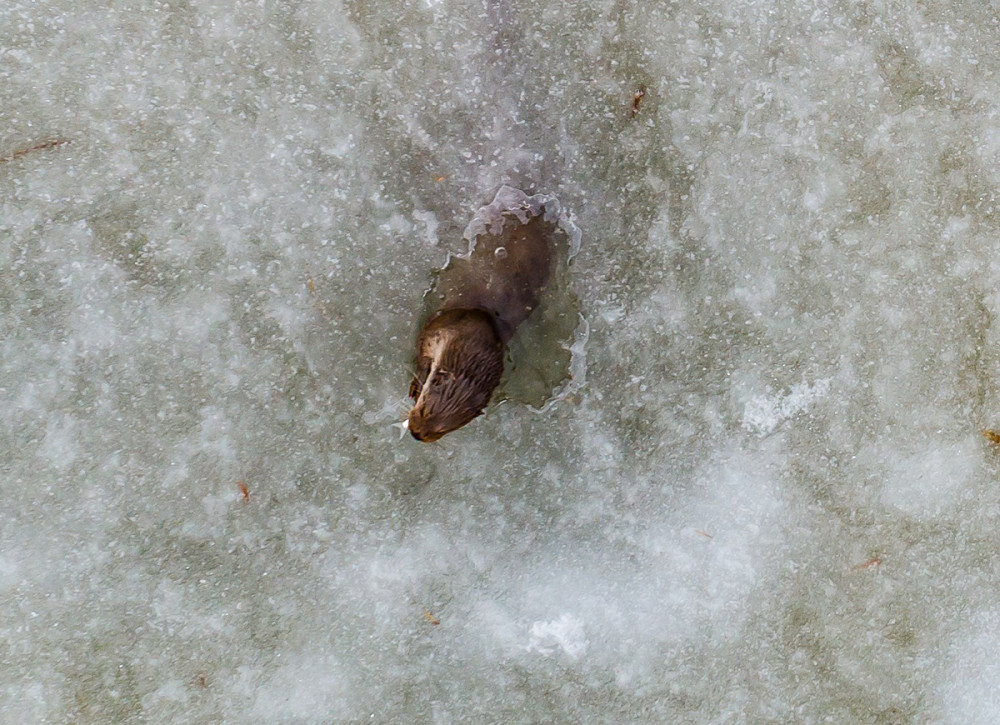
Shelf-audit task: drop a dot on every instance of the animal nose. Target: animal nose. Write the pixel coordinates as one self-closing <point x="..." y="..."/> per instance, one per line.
<point x="426" y="436"/>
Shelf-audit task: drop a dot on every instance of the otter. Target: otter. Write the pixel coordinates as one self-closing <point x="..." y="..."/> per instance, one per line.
<point x="483" y="299"/>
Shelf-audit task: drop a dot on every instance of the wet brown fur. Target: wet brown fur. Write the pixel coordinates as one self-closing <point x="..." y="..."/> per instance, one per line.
<point x="460" y="348"/>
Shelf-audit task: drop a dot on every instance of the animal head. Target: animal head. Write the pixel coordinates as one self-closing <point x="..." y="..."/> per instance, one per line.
<point x="459" y="365"/>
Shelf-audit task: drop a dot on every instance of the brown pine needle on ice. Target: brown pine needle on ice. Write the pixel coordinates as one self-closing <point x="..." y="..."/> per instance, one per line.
<point x="37" y="147"/>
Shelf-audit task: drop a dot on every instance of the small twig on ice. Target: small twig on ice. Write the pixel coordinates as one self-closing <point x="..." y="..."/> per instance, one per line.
<point x="37" y="147"/>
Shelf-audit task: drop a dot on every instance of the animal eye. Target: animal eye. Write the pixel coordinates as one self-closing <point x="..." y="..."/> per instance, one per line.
<point x="442" y="377"/>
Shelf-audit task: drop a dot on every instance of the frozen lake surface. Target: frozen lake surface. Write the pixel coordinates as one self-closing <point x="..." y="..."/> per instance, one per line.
<point x="770" y="498"/>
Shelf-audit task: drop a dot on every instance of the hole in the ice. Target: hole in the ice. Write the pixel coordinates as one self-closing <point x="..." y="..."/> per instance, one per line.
<point x="540" y="355"/>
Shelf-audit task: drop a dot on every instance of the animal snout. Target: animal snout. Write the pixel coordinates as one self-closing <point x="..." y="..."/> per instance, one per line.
<point x="425" y="436"/>
<point x="421" y="427"/>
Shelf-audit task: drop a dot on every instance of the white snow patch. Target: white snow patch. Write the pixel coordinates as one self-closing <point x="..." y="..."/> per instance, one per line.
<point x="565" y="634"/>
<point x="9" y="573"/>
<point x="59" y="447"/>
<point x="430" y="222"/>
<point x="302" y="687"/>
<point x="929" y="482"/>
<point x="764" y="413"/>
<point x="969" y="689"/>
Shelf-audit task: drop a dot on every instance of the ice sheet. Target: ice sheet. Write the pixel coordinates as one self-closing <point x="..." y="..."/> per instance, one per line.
<point x="772" y="499"/>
